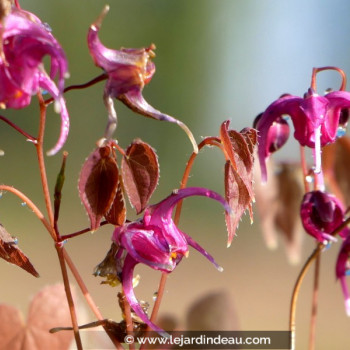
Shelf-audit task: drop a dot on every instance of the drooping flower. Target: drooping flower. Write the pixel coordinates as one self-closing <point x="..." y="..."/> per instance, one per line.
<point x="129" y="70"/>
<point x="322" y="213"/>
<point x="25" y="42"/>
<point x="315" y="119"/>
<point x="343" y="269"/>
<point x="156" y="241"/>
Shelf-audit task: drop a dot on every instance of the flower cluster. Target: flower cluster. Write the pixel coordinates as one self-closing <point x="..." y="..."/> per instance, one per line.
<point x="317" y="121"/>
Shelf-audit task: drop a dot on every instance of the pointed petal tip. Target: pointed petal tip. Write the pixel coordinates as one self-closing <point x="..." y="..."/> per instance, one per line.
<point x="97" y="24"/>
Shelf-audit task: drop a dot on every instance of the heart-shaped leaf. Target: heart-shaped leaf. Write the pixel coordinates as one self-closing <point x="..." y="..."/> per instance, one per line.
<point x="117" y="214"/>
<point x="10" y="252"/>
<point x="140" y="171"/>
<point x="47" y="310"/>
<point x="98" y="184"/>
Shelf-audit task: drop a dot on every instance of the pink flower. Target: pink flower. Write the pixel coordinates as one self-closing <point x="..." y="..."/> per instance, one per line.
<point x="157" y="242"/>
<point x="26" y="40"/>
<point x="315" y="119"/>
<point x="321" y="213"/>
<point x="129" y="70"/>
<point x="343" y="269"/>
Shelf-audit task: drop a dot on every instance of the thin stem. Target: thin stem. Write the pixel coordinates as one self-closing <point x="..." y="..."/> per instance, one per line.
<point x="295" y="294"/>
<point x="69" y="296"/>
<point x="94" y="81"/>
<point x="17" y="128"/>
<point x="317" y="70"/>
<point x="128" y="320"/>
<point x="304" y="169"/>
<point x="78" y="233"/>
<point x="213" y="141"/>
<point x="31" y="205"/>
<point x="87" y="296"/>
<point x="41" y="161"/>
<point x="45" y="186"/>
<point x="300" y="278"/>
<point x="312" y="337"/>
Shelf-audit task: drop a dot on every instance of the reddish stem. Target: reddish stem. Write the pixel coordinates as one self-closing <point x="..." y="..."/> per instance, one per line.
<point x="88" y="297"/>
<point x="213" y="141"/>
<point x="45" y="186"/>
<point x="17" y="128"/>
<point x="128" y="320"/>
<point x="78" y="233"/>
<point x="314" y="304"/>
<point x="317" y="70"/>
<point x="92" y="82"/>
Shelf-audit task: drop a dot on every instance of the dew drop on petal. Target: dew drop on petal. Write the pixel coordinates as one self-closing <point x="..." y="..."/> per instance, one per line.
<point x="47" y="27"/>
<point x="341" y="131"/>
<point x="155" y="296"/>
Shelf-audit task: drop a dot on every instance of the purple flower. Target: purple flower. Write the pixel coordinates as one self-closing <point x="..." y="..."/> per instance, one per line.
<point x="156" y="241"/>
<point x="129" y="70"/>
<point x="315" y="119"/>
<point x="343" y="269"/>
<point x="322" y="213"/>
<point x="26" y="40"/>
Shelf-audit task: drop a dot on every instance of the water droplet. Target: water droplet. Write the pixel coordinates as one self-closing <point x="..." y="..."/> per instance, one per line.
<point x="47" y="27"/>
<point x="23" y="204"/>
<point x="15" y="240"/>
<point x="155" y="296"/>
<point x="341" y="131"/>
<point x="347" y="273"/>
<point x="309" y="179"/>
<point x="1" y="194"/>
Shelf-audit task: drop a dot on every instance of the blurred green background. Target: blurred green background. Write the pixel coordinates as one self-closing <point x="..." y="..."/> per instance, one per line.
<point x="216" y="60"/>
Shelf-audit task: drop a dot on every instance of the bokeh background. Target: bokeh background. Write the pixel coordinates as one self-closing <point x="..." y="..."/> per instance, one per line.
<point x="216" y="60"/>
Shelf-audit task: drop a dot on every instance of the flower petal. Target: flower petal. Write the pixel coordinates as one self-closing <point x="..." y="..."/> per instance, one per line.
<point x="201" y="250"/>
<point x="135" y="101"/>
<point x="127" y="277"/>
<point x="163" y="210"/>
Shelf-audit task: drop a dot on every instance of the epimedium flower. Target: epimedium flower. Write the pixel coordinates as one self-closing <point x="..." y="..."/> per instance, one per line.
<point x="25" y="42"/>
<point x="321" y="214"/>
<point x="315" y="119"/>
<point x="157" y="242"/>
<point x="128" y="70"/>
<point x="343" y="269"/>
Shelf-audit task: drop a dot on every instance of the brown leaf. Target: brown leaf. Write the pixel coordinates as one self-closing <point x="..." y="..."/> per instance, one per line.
<point x="238" y="198"/>
<point x="336" y="167"/>
<point x="211" y="312"/>
<point x="278" y="204"/>
<point x="47" y="310"/>
<point x="117" y="214"/>
<point x="239" y="152"/>
<point x="98" y="184"/>
<point x="10" y="252"/>
<point x="140" y="171"/>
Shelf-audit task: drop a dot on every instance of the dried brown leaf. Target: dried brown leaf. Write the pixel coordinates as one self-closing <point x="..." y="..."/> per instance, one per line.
<point x="10" y="252"/>
<point x="140" y="172"/>
<point x="239" y="151"/>
<point x="98" y="184"/>
<point x="238" y="198"/>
